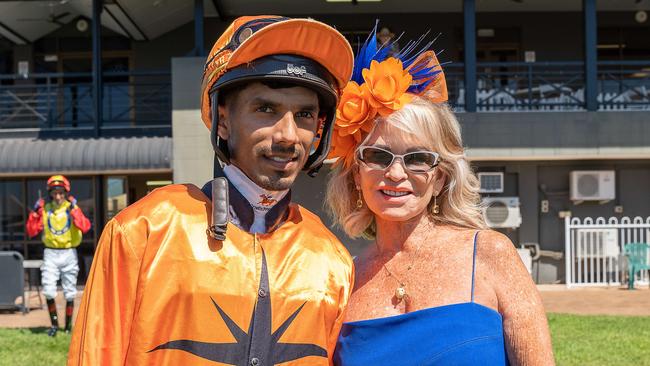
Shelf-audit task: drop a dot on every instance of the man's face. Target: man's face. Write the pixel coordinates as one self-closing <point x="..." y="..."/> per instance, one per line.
<point x="58" y="195"/>
<point x="270" y="132"/>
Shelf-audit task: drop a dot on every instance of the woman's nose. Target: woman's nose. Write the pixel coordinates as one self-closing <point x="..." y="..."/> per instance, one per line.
<point x="396" y="171"/>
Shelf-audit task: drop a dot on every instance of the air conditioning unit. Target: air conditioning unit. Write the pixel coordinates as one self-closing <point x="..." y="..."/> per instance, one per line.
<point x="491" y="182"/>
<point x="593" y="185"/>
<point x="502" y="212"/>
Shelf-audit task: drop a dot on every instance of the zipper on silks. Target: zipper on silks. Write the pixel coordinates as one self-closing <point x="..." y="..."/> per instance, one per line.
<point x="257" y="275"/>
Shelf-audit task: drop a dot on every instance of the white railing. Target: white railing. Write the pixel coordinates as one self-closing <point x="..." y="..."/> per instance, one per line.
<point x="565" y="99"/>
<point x="594" y="249"/>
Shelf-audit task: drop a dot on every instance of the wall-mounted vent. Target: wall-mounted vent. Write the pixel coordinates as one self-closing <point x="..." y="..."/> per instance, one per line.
<point x="502" y="212"/>
<point x="593" y="185"/>
<point x="491" y="182"/>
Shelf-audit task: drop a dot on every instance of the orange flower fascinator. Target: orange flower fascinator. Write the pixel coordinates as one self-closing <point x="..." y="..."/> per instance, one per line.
<point x="380" y="85"/>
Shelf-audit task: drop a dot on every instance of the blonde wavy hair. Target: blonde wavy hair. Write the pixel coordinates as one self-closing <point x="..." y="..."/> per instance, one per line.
<point x="437" y="128"/>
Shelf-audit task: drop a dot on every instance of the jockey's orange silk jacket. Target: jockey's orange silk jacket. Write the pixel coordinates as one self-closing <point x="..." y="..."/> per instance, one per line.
<point x="162" y="292"/>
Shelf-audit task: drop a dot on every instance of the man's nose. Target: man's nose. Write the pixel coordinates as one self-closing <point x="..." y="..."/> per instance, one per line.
<point x="286" y="130"/>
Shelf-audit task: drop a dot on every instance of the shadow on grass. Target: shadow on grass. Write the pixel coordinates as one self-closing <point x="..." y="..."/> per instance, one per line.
<point x="38" y="330"/>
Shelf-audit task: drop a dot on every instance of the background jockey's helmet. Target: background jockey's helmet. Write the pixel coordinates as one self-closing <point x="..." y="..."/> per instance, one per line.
<point x="304" y="52"/>
<point x="58" y="181"/>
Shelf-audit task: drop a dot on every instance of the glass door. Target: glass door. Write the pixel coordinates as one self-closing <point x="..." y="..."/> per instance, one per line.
<point x="116" y="195"/>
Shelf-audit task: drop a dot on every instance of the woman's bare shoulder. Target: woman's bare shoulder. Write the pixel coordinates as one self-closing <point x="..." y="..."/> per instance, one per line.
<point x="498" y="253"/>
<point x="495" y="242"/>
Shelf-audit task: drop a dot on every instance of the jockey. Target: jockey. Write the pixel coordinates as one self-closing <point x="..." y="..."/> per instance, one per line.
<point x="62" y="224"/>
<point x="234" y="272"/>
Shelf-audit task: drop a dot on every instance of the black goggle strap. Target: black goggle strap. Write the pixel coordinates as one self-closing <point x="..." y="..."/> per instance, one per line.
<point x="220" y="146"/>
<point x="220" y="205"/>
<point x="219" y="185"/>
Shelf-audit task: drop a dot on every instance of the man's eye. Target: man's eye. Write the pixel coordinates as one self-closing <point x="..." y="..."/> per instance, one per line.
<point x="304" y="115"/>
<point x="265" y="109"/>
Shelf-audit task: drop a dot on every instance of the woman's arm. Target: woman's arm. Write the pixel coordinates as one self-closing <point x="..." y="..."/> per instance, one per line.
<point x="525" y="326"/>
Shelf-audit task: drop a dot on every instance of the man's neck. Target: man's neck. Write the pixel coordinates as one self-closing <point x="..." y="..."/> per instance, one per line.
<point x="260" y="199"/>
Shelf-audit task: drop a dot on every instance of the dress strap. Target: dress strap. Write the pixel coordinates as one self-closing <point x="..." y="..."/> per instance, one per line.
<point x="474" y="264"/>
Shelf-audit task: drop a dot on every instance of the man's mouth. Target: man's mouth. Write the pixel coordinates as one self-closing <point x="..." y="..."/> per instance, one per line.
<point x="281" y="162"/>
<point x="281" y="159"/>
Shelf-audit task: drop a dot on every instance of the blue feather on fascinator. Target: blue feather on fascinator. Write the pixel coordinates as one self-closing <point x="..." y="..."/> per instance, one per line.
<point x="420" y="68"/>
<point x="367" y="53"/>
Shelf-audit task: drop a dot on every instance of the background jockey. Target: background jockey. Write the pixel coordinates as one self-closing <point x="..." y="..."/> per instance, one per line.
<point x="62" y="224"/>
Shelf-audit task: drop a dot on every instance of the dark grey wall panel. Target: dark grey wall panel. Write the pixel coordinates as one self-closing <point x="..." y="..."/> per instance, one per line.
<point x="556" y="129"/>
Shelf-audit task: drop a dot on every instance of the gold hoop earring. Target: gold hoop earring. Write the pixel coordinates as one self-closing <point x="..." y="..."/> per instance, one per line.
<point x="359" y="200"/>
<point x="436" y="208"/>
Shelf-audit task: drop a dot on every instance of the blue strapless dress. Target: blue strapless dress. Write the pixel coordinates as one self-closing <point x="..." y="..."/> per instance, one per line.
<point x="458" y="334"/>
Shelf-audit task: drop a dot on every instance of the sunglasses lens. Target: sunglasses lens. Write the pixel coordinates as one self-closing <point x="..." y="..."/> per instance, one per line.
<point x="376" y="158"/>
<point x="420" y="161"/>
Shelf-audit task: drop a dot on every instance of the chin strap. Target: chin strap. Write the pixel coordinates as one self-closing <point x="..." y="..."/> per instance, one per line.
<point x="313" y="172"/>
<point x="220" y="204"/>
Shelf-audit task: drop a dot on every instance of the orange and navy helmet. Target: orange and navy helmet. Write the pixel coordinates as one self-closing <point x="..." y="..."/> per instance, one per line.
<point x="58" y="181"/>
<point x="304" y="52"/>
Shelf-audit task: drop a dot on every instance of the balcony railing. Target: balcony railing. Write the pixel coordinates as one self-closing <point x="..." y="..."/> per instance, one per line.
<point x="65" y="100"/>
<point x="551" y="86"/>
<point x="143" y="99"/>
<point x="623" y="85"/>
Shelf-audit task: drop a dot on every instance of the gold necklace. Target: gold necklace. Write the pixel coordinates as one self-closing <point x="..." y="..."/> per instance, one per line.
<point x="400" y="291"/>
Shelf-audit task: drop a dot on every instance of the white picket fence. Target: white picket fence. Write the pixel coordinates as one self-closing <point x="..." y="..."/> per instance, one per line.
<point x="594" y="249"/>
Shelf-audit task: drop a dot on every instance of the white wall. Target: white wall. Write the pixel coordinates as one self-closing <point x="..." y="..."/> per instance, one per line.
<point x="192" y="151"/>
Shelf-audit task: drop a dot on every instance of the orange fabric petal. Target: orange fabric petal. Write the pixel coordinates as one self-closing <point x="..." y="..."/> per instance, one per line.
<point x="387" y="81"/>
<point x="436" y="91"/>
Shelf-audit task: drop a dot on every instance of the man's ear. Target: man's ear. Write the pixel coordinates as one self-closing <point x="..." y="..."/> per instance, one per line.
<point x="223" y="129"/>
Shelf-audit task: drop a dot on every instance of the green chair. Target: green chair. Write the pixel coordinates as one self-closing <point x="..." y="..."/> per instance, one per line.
<point x="637" y="260"/>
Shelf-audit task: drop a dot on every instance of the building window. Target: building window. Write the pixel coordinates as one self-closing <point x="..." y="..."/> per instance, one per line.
<point x="12" y="220"/>
<point x="116" y="196"/>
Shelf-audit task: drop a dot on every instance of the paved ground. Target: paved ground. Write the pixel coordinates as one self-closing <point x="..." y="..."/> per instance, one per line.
<point x="37" y="317"/>
<point x="602" y="301"/>
<point x="557" y="299"/>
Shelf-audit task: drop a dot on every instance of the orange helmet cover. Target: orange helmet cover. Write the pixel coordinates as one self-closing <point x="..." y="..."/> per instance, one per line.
<point x="58" y="181"/>
<point x="273" y="35"/>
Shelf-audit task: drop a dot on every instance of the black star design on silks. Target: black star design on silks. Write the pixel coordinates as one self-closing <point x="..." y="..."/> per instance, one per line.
<point x="258" y="346"/>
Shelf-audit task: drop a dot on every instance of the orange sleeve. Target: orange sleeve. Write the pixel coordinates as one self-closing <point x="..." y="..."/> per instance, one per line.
<point x="34" y="223"/>
<point x="103" y="326"/>
<point x="80" y="220"/>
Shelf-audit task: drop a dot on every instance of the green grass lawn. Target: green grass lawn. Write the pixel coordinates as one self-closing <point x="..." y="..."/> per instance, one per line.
<point x="577" y="340"/>
<point x="600" y="340"/>
<point x="32" y="347"/>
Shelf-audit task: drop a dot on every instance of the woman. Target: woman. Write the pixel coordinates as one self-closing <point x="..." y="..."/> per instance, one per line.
<point x="436" y="287"/>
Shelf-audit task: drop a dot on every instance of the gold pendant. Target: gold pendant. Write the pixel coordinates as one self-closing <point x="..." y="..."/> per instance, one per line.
<point x="400" y="292"/>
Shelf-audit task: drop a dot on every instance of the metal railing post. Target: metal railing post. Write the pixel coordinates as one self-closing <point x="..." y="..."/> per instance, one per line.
<point x="530" y="86"/>
<point x="567" y="252"/>
<point x="97" y="64"/>
<point x="591" y="55"/>
<point x="469" y="13"/>
<point x="48" y="92"/>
